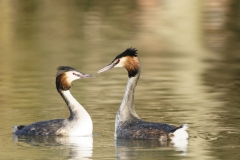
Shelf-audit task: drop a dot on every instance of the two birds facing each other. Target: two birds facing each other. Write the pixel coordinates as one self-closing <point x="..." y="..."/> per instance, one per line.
<point x="128" y="125"/>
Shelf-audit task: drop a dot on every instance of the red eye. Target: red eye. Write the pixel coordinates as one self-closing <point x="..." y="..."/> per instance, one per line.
<point x="118" y="60"/>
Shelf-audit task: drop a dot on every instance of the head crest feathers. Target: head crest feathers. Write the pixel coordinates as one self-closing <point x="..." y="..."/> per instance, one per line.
<point x="62" y="69"/>
<point x="128" y="52"/>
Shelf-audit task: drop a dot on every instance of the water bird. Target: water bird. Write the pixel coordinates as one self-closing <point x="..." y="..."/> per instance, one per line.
<point x="78" y="124"/>
<point x="128" y="125"/>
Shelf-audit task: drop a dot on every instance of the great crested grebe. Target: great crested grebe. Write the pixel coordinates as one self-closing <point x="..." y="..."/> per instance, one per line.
<point x="128" y="125"/>
<point x="78" y="124"/>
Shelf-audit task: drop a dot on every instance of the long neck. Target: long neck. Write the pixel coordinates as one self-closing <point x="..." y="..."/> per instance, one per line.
<point x="77" y="112"/>
<point x="127" y="111"/>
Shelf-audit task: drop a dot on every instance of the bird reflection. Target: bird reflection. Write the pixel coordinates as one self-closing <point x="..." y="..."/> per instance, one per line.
<point x="128" y="148"/>
<point x="77" y="147"/>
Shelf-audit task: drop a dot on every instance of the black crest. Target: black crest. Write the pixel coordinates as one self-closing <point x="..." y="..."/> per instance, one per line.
<point x="62" y="69"/>
<point x="128" y="52"/>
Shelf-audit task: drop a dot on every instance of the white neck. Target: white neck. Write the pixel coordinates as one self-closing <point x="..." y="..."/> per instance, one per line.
<point x="126" y="111"/>
<point x="79" y="123"/>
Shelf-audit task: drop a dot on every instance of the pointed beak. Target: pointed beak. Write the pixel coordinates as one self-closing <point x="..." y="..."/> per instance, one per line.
<point x="85" y="75"/>
<point x="110" y="66"/>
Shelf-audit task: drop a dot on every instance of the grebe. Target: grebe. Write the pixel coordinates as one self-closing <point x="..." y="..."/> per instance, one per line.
<point x="128" y="125"/>
<point x="78" y="124"/>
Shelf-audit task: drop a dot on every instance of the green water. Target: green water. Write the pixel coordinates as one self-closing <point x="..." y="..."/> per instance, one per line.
<point x="189" y="52"/>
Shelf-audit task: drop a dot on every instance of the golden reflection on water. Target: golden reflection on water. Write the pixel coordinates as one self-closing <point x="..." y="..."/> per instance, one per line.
<point x="189" y="74"/>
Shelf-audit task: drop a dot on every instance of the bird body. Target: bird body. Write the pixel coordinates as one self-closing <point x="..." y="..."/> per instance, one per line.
<point x="128" y="125"/>
<point x="78" y="124"/>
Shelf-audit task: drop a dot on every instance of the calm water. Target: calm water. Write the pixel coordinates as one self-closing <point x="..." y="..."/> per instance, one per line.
<point x="189" y="51"/>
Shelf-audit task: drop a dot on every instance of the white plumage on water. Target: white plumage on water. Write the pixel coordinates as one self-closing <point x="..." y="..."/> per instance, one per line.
<point x="78" y="124"/>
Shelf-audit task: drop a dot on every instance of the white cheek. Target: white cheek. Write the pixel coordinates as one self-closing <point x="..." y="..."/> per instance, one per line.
<point x="121" y="63"/>
<point x="71" y="76"/>
<point x="75" y="78"/>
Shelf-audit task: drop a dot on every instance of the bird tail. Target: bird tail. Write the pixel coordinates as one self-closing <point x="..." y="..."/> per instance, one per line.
<point x="17" y="128"/>
<point x="180" y="132"/>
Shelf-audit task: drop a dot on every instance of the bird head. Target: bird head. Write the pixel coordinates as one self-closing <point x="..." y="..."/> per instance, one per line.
<point x="66" y="75"/>
<point x="128" y="59"/>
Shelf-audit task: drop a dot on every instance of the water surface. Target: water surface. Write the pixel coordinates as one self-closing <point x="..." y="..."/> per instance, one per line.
<point x="189" y="52"/>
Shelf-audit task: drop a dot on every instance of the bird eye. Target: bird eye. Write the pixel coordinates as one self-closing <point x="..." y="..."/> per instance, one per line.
<point x="118" y="60"/>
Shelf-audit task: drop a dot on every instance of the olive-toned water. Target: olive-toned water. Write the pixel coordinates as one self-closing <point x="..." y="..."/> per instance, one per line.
<point x="189" y="53"/>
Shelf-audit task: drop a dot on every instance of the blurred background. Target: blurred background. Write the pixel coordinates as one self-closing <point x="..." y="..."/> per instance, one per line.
<point x="190" y="57"/>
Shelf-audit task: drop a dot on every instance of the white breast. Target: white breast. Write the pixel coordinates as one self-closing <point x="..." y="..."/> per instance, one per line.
<point x="84" y="128"/>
